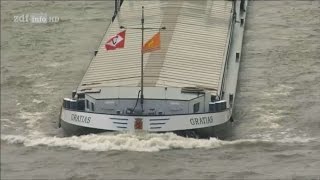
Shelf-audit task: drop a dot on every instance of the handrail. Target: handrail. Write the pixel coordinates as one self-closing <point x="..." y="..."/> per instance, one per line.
<point x="229" y="39"/>
<point x="143" y="115"/>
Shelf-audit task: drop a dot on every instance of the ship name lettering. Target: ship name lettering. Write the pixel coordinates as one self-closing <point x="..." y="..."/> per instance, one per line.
<point x="80" y="118"/>
<point x="201" y="120"/>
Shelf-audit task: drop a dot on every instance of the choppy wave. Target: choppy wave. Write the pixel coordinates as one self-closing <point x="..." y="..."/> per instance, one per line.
<point x="136" y="142"/>
<point x="142" y="142"/>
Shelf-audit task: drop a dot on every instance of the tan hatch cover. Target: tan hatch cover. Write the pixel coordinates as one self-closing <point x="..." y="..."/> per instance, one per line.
<point x="193" y="46"/>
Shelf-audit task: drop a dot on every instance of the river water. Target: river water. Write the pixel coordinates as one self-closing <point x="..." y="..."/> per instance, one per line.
<point x="277" y="116"/>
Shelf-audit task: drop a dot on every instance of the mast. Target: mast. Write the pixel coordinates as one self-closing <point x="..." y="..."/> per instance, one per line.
<point x="142" y="41"/>
<point x="142" y="34"/>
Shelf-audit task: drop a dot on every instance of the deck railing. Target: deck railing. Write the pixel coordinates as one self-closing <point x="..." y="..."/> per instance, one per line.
<point x="232" y="19"/>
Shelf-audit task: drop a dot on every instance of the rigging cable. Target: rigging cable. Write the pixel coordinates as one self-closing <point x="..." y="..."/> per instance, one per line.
<point x="136" y="101"/>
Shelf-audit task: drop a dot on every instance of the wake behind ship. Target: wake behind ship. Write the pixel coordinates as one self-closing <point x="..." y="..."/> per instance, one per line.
<point x="182" y="79"/>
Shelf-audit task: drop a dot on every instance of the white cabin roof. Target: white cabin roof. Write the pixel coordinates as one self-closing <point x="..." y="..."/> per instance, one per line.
<point x="150" y="93"/>
<point x="193" y="46"/>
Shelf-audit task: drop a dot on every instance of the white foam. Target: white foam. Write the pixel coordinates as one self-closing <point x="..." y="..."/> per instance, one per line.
<point x="32" y="119"/>
<point x="280" y="90"/>
<point x="34" y="75"/>
<point x="269" y="119"/>
<point x="55" y="64"/>
<point x="7" y="121"/>
<point x="37" y="101"/>
<point x="39" y="84"/>
<point x="134" y="142"/>
<point x="123" y="142"/>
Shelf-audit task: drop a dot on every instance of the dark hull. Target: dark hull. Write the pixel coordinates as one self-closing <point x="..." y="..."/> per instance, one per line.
<point x="71" y="129"/>
<point x="221" y="131"/>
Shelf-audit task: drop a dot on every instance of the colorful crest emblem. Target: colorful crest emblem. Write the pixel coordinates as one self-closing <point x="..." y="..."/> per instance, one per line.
<point x="138" y="123"/>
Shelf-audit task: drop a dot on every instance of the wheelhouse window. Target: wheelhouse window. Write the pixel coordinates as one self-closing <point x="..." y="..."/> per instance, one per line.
<point x="92" y="106"/>
<point x="87" y="103"/>
<point x="196" y="107"/>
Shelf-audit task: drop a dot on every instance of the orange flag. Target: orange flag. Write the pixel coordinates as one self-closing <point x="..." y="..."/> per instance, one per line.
<point x="153" y="44"/>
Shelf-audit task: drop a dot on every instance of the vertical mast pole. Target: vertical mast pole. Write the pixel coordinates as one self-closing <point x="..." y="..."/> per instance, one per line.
<point x="142" y="34"/>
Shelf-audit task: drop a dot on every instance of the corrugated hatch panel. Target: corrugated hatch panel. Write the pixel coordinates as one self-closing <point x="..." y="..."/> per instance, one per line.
<point x="192" y="46"/>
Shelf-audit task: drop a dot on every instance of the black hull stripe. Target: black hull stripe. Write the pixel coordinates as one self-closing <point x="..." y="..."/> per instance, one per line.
<point x="120" y="123"/>
<point x="159" y="119"/>
<point x="121" y="127"/>
<point x="156" y="123"/>
<point x="121" y="119"/>
<point x="155" y="127"/>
